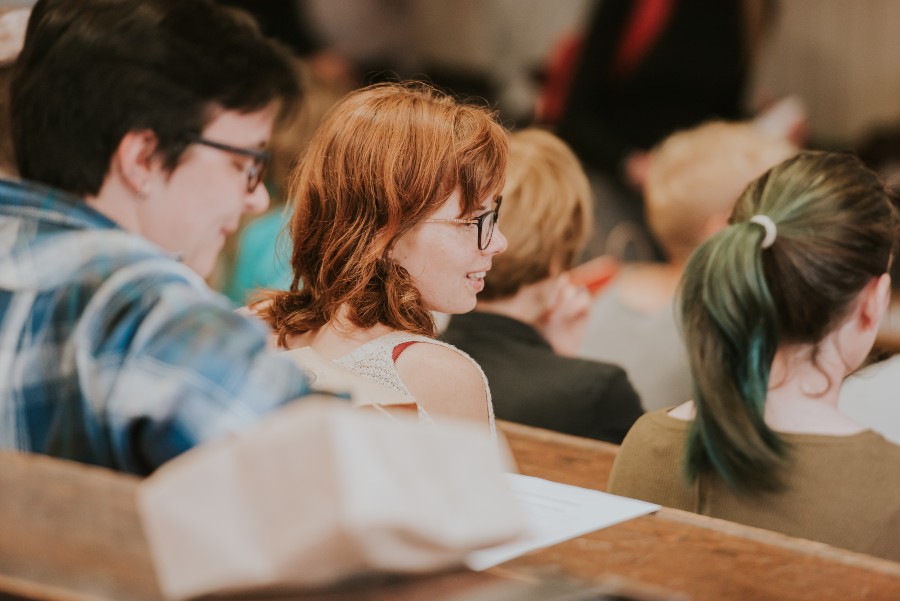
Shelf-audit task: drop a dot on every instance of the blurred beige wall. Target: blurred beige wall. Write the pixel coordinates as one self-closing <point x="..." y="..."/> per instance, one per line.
<point x="841" y="57"/>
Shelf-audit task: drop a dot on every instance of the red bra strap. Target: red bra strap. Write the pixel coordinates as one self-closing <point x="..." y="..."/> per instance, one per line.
<point x="400" y="348"/>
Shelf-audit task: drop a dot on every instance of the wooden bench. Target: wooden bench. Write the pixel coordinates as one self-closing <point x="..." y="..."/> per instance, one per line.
<point x="572" y="460"/>
<point x="71" y="529"/>
<point x="71" y="533"/>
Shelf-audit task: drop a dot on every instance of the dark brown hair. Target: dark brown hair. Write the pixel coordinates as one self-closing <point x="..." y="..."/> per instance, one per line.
<point x="94" y="70"/>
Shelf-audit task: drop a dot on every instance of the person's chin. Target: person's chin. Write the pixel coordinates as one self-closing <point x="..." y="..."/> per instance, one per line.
<point x="204" y="265"/>
<point x="205" y="271"/>
<point x="464" y="307"/>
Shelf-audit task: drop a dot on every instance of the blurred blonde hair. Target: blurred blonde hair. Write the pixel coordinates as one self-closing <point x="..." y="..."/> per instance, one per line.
<point x="699" y="173"/>
<point x="546" y="213"/>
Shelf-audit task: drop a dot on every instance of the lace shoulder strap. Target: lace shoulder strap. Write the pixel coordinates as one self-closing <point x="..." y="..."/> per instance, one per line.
<point x="375" y="360"/>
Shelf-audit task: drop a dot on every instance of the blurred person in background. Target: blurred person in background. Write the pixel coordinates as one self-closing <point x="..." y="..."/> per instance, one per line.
<point x="646" y="69"/>
<point x="529" y="319"/>
<point x="693" y="181"/>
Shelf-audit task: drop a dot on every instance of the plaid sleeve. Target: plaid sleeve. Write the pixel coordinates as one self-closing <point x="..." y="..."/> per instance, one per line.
<point x="166" y="364"/>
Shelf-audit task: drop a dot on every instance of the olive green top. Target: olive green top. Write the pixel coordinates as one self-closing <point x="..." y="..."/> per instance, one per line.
<point x="840" y="490"/>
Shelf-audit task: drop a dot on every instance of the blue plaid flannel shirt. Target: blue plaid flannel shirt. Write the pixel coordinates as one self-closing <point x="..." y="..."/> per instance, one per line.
<point x="112" y="352"/>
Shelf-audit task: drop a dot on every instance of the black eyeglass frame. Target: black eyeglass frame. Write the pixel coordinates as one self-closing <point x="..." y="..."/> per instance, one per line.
<point x="479" y="221"/>
<point x="257" y="169"/>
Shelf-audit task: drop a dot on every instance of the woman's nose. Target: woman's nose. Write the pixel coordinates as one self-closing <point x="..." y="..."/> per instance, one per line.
<point x="499" y="243"/>
<point x="257" y="201"/>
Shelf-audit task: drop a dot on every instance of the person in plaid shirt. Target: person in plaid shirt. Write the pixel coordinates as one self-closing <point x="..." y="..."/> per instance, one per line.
<point x="139" y="129"/>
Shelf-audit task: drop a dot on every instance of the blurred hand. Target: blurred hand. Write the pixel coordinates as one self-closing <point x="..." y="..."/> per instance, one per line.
<point x="785" y="118"/>
<point x="637" y="166"/>
<point x="564" y="322"/>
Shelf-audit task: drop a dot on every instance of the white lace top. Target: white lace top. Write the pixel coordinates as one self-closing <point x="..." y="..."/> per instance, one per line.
<point x="374" y="361"/>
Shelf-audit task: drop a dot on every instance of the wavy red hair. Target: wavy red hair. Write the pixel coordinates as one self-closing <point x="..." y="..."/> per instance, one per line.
<point x="383" y="160"/>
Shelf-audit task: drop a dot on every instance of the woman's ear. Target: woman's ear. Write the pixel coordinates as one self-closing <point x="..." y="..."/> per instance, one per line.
<point x="135" y="161"/>
<point x="387" y="256"/>
<point x="876" y="298"/>
<point x="862" y="325"/>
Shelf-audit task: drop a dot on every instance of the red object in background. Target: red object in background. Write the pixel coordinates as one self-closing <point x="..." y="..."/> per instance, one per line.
<point x="595" y="274"/>
<point x="559" y="71"/>
<point x="648" y="19"/>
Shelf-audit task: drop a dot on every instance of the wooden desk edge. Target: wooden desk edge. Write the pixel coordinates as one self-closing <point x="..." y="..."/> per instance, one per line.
<point x="514" y="430"/>
<point x="770" y="537"/>
<point x="18" y="588"/>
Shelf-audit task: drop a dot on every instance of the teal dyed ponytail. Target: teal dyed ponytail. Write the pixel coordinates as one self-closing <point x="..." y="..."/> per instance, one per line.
<point x="731" y="330"/>
<point x="749" y="290"/>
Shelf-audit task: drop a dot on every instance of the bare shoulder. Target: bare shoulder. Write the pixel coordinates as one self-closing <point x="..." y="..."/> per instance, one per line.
<point x="444" y="381"/>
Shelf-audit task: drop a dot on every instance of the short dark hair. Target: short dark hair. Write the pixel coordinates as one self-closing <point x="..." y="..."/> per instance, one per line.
<point x="91" y="71"/>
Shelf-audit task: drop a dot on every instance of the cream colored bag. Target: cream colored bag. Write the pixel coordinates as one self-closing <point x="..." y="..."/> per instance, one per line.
<point x="320" y="492"/>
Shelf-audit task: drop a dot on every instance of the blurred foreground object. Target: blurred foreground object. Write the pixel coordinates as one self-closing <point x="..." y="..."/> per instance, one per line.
<point x="380" y="496"/>
<point x="315" y="496"/>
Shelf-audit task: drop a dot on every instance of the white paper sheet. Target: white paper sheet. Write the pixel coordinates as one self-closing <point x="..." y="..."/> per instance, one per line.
<point x="557" y="512"/>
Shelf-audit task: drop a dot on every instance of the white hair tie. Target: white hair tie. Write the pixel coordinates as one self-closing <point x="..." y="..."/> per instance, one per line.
<point x="769" y="226"/>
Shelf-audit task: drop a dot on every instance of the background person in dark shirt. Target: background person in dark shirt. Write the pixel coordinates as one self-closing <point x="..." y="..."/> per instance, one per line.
<point x="648" y="68"/>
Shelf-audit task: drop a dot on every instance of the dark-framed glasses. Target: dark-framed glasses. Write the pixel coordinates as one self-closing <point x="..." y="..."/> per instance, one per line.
<point x="255" y="169"/>
<point x="485" y="222"/>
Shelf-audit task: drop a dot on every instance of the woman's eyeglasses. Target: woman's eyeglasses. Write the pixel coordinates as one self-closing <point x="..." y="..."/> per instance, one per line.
<point x="255" y="170"/>
<point x="485" y="222"/>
